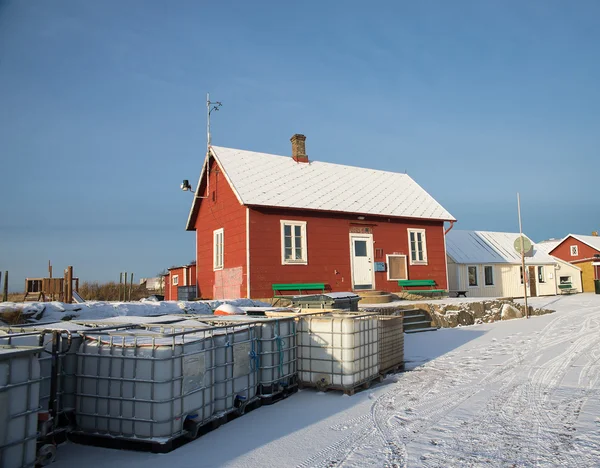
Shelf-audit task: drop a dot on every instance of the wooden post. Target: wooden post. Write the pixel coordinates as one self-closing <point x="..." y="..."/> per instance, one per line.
<point x="525" y="273"/>
<point x="125" y="288"/>
<point x="64" y="288"/>
<point x="69" y="285"/>
<point x="130" y="286"/>
<point x="5" y="289"/>
<point x="49" y="269"/>
<point x="120" y="281"/>
<point x="77" y="285"/>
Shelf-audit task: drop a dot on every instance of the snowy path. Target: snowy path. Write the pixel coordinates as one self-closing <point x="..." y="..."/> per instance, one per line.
<point x="517" y="393"/>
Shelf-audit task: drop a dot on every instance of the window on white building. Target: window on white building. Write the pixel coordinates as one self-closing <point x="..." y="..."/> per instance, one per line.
<point x="218" y="249"/>
<point x="488" y="273"/>
<point x="418" y="246"/>
<point x="472" y="273"/>
<point x="541" y="275"/>
<point x="293" y="243"/>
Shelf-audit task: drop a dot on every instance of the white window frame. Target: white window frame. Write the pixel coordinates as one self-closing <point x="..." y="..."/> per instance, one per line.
<point x="476" y="276"/>
<point x="175" y="280"/>
<point x="387" y="260"/>
<point x="574" y="250"/>
<point x="493" y="276"/>
<point x="423" y="243"/>
<point x="541" y="279"/>
<point x="303" y="241"/>
<point x="218" y="256"/>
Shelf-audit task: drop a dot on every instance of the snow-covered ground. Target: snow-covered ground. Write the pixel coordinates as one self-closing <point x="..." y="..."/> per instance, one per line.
<point x="57" y="311"/>
<point x="515" y="393"/>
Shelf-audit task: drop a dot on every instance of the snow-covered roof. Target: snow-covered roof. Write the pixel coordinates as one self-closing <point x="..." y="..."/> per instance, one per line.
<point x="260" y="179"/>
<point x="547" y="246"/>
<point x="476" y="247"/>
<point x="592" y="241"/>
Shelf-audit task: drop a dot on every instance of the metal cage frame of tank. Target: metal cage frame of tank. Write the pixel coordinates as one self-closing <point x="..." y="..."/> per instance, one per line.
<point x="28" y="442"/>
<point x="233" y="399"/>
<point x="139" y="340"/>
<point x="63" y="345"/>
<point x="391" y="343"/>
<point x="368" y="323"/>
<point x="273" y="378"/>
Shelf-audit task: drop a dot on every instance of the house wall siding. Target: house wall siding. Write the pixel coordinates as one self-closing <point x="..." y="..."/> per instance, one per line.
<point x="563" y="250"/>
<point x="507" y="281"/>
<point x="328" y="249"/>
<point x="187" y="277"/>
<point x="221" y="209"/>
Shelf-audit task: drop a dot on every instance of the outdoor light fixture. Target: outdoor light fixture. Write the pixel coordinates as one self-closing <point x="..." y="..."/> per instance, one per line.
<point x="361" y="217"/>
<point x="185" y="186"/>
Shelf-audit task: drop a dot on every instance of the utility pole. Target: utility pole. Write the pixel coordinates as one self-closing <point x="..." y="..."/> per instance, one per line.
<point x="525" y="276"/>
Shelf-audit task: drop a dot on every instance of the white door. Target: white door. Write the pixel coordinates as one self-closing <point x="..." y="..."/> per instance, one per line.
<point x="361" y="255"/>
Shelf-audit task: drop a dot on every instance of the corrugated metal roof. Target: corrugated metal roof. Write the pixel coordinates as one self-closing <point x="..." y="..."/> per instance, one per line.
<point x="476" y="247"/>
<point x="278" y="181"/>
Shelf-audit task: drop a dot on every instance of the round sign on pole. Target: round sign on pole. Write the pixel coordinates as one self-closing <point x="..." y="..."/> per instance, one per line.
<point x="527" y="246"/>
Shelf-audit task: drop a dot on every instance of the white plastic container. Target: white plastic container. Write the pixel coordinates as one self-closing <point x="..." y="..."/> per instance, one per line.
<point x="144" y="385"/>
<point x="337" y="350"/>
<point x="276" y="350"/>
<point x="68" y="343"/>
<point x="19" y="403"/>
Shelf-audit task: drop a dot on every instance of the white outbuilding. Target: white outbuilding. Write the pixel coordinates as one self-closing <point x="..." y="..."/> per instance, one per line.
<point x="486" y="264"/>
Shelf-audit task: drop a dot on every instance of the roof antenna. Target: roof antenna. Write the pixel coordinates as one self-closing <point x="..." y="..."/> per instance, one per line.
<point x="185" y="185"/>
<point x="215" y="107"/>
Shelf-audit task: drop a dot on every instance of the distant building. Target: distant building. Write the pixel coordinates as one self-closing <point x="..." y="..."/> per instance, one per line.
<point x="584" y="252"/>
<point x="486" y="264"/>
<point x="261" y="219"/>
<point x="180" y="283"/>
<point x="155" y="284"/>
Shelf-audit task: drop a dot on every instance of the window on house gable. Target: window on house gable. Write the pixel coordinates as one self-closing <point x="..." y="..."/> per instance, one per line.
<point x="541" y="275"/>
<point x="293" y="242"/>
<point x="218" y="249"/>
<point x="418" y="246"/>
<point x="472" y="273"/>
<point x="488" y="273"/>
<point x="574" y="251"/>
<point x="175" y="280"/>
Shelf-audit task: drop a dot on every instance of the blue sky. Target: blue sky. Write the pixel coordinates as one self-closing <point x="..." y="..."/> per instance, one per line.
<point x="102" y="113"/>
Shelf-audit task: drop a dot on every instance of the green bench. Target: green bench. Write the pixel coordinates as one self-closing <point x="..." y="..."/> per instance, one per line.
<point x="566" y="288"/>
<point x="279" y="288"/>
<point x="420" y="284"/>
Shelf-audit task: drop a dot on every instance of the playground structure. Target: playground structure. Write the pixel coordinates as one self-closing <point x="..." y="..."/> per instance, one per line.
<point x="53" y="289"/>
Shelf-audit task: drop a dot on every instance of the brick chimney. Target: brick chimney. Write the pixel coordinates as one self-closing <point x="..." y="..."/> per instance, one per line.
<point x="299" y="148"/>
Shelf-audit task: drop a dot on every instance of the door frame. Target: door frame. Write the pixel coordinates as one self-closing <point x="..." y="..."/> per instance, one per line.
<point x="370" y="253"/>
<point x="532" y="286"/>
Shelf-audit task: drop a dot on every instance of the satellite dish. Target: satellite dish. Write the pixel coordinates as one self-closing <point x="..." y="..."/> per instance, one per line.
<point x="527" y="245"/>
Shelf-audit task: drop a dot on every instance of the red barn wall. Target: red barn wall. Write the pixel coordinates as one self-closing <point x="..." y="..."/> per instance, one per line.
<point x="221" y="210"/>
<point x="563" y="250"/>
<point x="328" y="249"/>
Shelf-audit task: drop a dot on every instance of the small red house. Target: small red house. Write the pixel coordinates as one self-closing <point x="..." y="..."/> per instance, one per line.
<point x="181" y="277"/>
<point x="583" y="251"/>
<point x="262" y="219"/>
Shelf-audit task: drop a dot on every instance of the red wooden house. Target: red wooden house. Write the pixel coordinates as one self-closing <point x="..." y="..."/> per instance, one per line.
<point x="262" y="219"/>
<point x="180" y="277"/>
<point x="583" y="251"/>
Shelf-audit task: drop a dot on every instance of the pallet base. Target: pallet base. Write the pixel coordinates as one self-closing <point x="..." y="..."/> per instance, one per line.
<point x="282" y="395"/>
<point x="346" y="390"/>
<point x="392" y="370"/>
<point x="191" y="431"/>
